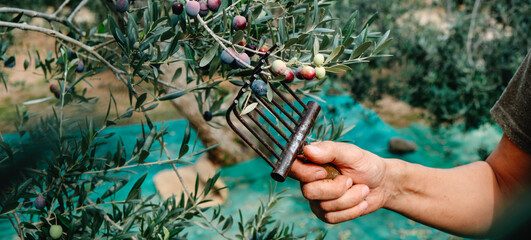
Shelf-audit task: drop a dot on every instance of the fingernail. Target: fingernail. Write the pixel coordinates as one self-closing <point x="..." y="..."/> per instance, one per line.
<point x="364" y="191"/>
<point x="363" y="206"/>
<point x="349" y="183"/>
<point x="321" y="174"/>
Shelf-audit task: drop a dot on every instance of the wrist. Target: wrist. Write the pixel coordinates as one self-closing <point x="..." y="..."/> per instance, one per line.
<point x="394" y="178"/>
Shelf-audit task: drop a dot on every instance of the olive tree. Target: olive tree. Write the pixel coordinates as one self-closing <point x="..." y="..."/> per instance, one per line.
<point x="195" y="54"/>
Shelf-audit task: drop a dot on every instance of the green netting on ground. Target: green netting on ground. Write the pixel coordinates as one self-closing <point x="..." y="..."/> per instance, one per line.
<point x="249" y="182"/>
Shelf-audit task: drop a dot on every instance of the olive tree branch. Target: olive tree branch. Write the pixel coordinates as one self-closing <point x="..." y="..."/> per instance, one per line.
<point x="76" y="10"/>
<point x="24" y="26"/>
<point x="105" y="216"/>
<point x="16" y="225"/>
<point x="221" y="13"/>
<point x="103" y="44"/>
<point x="216" y="37"/>
<point x="60" y="8"/>
<point x="35" y="14"/>
<point x="187" y="192"/>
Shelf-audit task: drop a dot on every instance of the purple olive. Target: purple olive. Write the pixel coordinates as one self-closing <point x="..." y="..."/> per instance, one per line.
<point x="122" y="5"/>
<point x="238" y="22"/>
<point x="192" y="8"/>
<point x="245" y="58"/>
<point x="252" y="47"/>
<point x="213" y="5"/>
<point x="298" y="72"/>
<point x="259" y="87"/>
<point x="226" y="57"/>
<point x="203" y="9"/>
<point x="177" y="8"/>
<point x="55" y="89"/>
<point x="39" y="202"/>
<point x="80" y="66"/>
<point x="207" y="115"/>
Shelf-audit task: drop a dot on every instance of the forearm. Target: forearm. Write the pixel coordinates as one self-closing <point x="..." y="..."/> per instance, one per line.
<point x="462" y="200"/>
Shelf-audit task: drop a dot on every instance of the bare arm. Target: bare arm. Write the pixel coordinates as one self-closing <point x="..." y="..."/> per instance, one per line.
<point x="463" y="200"/>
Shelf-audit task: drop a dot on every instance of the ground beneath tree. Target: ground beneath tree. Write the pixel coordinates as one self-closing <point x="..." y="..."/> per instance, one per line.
<point x="26" y="85"/>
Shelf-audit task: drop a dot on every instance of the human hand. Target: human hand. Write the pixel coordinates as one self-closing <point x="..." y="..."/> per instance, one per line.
<point x="358" y="191"/>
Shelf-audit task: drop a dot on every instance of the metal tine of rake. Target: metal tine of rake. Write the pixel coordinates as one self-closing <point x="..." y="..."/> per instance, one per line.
<point x="288" y="89"/>
<point x="232" y="110"/>
<point x="298" y="134"/>
<point x="276" y="115"/>
<point x="280" y="108"/>
<point x="278" y="93"/>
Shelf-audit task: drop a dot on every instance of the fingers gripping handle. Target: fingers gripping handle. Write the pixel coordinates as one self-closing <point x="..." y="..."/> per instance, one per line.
<point x="331" y="171"/>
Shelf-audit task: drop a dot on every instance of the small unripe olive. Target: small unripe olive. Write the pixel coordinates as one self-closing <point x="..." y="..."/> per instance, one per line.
<point x="320" y="72"/>
<point x="278" y="66"/>
<point x="56" y="231"/>
<point x="318" y="59"/>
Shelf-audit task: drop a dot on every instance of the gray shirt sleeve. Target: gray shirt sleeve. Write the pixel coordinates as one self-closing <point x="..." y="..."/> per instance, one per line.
<point x="513" y="110"/>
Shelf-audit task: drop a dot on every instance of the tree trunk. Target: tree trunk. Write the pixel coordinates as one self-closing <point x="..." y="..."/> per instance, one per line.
<point x="231" y="150"/>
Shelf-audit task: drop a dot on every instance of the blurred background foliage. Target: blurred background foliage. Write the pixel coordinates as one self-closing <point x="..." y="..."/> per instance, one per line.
<point x="449" y="59"/>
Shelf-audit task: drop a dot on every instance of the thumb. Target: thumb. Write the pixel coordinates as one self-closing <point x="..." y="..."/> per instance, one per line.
<point x="337" y="153"/>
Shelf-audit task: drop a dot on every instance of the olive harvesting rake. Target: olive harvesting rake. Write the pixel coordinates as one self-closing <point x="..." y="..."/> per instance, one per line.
<point x="264" y="116"/>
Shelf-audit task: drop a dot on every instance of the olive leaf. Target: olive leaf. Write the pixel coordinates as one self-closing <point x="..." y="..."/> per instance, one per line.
<point x="249" y="108"/>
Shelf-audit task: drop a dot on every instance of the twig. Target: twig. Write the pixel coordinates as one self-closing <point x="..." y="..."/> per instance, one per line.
<point x="35" y="14"/>
<point x="221" y="13"/>
<point x="18" y="225"/>
<point x="103" y="44"/>
<point x="216" y="37"/>
<point x="139" y="165"/>
<point x="15" y="226"/>
<point x="24" y="26"/>
<point x="76" y="10"/>
<point x="106" y="216"/>
<point x="103" y="35"/>
<point x="187" y="192"/>
<point x="60" y="8"/>
<point x="243" y="47"/>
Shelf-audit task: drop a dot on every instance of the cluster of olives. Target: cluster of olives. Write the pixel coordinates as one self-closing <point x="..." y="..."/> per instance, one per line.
<point x="259" y="87"/>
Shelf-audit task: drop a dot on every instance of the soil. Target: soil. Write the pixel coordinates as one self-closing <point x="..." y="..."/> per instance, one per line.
<point x="395" y="112"/>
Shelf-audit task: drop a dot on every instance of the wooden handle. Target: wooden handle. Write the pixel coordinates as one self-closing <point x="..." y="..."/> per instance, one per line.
<point x="331" y="171"/>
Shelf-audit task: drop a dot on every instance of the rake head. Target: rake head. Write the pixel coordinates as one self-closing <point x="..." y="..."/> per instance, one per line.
<point x="280" y="125"/>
